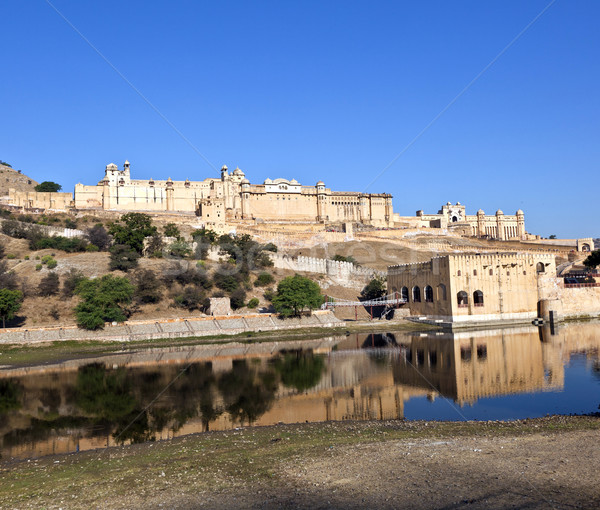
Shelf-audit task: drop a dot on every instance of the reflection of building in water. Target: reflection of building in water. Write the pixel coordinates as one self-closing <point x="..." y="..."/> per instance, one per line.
<point x="226" y="386"/>
<point x="471" y="365"/>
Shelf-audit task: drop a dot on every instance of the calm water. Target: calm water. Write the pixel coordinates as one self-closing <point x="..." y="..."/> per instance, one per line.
<point x="161" y="393"/>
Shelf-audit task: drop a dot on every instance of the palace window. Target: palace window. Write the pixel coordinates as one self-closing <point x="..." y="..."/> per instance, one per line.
<point x="428" y="294"/>
<point x="463" y="299"/>
<point x="478" y="298"/>
<point x="416" y="294"/>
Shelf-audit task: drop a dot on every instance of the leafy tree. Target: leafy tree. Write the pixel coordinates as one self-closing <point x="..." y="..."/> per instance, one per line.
<point x="374" y="289"/>
<point x="48" y="186"/>
<point x="102" y="300"/>
<point x="5" y="164"/>
<point x="132" y="229"/>
<point x="69" y="223"/>
<point x="226" y="282"/>
<point x="49" y="285"/>
<point x="172" y="230"/>
<point x="593" y="260"/>
<point x="10" y="304"/>
<point x="264" y="279"/>
<point x="553" y="236"/>
<point x="148" y="288"/>
<point x="123" y="258"/>
<point x="296" y="293"/>
<point x="270" y="247"/>
<point x="205" y="235"/>
<point x="72" y="278"/>
<point x="253" y="303"/>
<point x="99" y="236"/>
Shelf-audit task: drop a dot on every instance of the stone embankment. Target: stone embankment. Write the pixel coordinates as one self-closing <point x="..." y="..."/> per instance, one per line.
<point x="172" y="328"/>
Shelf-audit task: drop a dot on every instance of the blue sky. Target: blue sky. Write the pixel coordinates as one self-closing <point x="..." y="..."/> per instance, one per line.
<point x="316" y="90"/>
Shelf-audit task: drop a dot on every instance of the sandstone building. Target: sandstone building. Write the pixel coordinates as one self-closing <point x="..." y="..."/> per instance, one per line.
<point x="474" y="287"/>
<point x="233" y="197"/>
<point x="498" y="226"/>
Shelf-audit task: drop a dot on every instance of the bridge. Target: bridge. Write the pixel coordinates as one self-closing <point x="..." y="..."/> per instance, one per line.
<point x="393" y="300"/>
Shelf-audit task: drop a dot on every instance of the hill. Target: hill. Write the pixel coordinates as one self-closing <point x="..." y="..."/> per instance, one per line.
<point x="10" y="178"/>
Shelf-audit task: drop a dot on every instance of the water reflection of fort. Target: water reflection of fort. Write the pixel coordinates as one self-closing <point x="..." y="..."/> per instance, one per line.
<point x="87" y="404"/>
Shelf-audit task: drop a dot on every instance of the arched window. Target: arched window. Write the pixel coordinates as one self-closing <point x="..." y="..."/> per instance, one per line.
<point x="491" y="272"/>
<point x="459" y="273"/>
<point x="428" y="294"/>
<point x="478" y="298"/>
<point x="441" y="292"/>
<point x="463" y="299"/>
<point x="416" y="294"/>
<point x="540" y="268"/>
<point x="404" y="293"/>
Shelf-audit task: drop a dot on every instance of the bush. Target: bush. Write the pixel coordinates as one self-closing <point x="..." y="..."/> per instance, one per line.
<point x="98" y="236"/>
<point x="148" y="288"/>
<point x="26" y="257"/>
<point x="253" y="303"/>
<point x="102" y="300"/>
<point x="155" y="246"/>
<point x="269" y="295"/>
<point x="225" y="282"/>
<point x="46" y="259"/>
<point x="51" y="264"/>
<point x="2" y="250"/>
<point x="38" y="267"/>
<point x="92" y="248"/>
<point x="374" y="289"/>
<point x="69" y="223"/>
<point x="180" y="249"/>
<point x="238" y="299"/>
<point x="172" y="230"/>
<point x="270" y="247"/>
<point x="11" y="256"/>
<point x="8" y="279"/>
<point x="67" y="244"/>
<point x="123" y="258"/>
<point x="341" y="258"/>
<point x="70" y="282"/>
<point x="192" y="298"/>
<point x="49" y="285"/>
<point x="264" y="279"/>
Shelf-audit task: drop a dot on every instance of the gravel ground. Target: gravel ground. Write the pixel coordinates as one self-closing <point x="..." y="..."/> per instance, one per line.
<point x="546" y="463"/>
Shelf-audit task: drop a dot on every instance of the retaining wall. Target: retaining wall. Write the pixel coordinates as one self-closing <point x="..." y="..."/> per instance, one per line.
<point x="172" y="328"/>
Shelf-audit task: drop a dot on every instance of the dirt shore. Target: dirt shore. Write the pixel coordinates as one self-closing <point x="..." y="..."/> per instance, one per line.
<point x="544" y="463"/>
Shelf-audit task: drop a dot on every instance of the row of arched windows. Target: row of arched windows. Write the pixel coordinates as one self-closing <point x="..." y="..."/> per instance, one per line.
<point x="415" y="296"/>
<point x="428" y="294"/>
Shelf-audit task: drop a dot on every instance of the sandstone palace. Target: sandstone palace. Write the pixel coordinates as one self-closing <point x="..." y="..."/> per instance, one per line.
<point x="233" y="198"/>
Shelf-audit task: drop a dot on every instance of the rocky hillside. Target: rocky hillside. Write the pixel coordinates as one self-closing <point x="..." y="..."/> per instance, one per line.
<point x="10" y="178"/>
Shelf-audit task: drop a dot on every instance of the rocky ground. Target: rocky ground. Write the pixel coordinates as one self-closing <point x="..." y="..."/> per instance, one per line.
<point x="546" y="463"/>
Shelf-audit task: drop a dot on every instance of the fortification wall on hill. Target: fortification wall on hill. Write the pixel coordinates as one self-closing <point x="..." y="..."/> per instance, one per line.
<point x="50" y="230"/>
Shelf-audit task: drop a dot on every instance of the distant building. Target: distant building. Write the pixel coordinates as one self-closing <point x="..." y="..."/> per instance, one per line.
<point x="233" y="197"/>
<point x="498" y="226"/>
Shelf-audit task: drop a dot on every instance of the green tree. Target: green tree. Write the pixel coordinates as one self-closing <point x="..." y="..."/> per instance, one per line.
<point x="341" y="258"/>
<point x="48" y="186"/>
<point x="132" y="229"/>
<point x="553" y="236"/>
<point x="374" y="289"/>
<point x="155" y="246"/>
<point x="593" y="260"/>
<point x="172" y="230"/>
<point x="264" y="279"/>
<point x="180" y="249"/>
<point x="10" y="304"/>
<point x="102" y="300"/>
<point x="123" y="258"/>
<point x="295" y="294"/>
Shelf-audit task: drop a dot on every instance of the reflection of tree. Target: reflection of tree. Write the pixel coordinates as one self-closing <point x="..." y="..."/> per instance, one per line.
<point x="301" y="370"/>
<point x="247" y="394"/>
<point x="104" y="394"/>
<point x="134" y="428"/>
<point x="10" y="396"/>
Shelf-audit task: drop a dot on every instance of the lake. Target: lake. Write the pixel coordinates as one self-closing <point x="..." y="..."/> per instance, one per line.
<point x="156" y="394"/>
